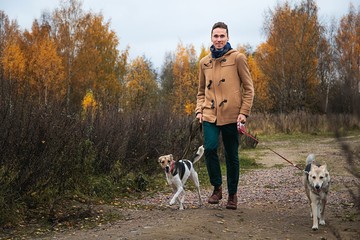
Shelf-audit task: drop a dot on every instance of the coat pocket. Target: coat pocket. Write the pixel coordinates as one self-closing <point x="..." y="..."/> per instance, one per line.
<point x="227" y="62"/>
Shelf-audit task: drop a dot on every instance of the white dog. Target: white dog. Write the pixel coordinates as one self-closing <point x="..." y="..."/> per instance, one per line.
<point x="178" y="172"/>
<point x="317" y="182"/>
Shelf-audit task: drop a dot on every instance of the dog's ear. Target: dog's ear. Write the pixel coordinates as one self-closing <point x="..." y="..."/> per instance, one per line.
<point x="171" y="157"/>
<point x="326" y="170"/>
<point x="313" y="166"/>
<point x="324" y="167"/>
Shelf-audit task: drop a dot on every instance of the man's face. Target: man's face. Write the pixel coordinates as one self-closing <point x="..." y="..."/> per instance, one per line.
<point x="219" y="37"/>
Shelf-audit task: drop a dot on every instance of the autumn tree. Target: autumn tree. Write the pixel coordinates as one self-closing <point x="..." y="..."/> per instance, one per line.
<point x="327" y="70"/>
<point x="45" y="72"/>
<point x="9" y="31"/>
<point x="185" y="79"/>
<point x="141" y="85"/>
<point x="288" y="58"/>
<point x="203" y="52"/>
<point x="121" y="71"/>
<point x="262" y="101"/>
<point x="67" y="32"/>
<point x="348" y="56"/>
<point x="12" y="62"/>
<point x="167" y="79"/>
<point x="97" y="61"/>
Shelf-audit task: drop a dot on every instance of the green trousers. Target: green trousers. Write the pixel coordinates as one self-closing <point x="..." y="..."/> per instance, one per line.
<point x="230" y="138"/>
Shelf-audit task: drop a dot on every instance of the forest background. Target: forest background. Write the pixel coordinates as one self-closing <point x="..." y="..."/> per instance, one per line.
<point x="78" y="118"/>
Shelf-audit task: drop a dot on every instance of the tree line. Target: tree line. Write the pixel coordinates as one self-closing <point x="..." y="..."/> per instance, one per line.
<point x="302" y="65"/>
<point x="78" y="118"/>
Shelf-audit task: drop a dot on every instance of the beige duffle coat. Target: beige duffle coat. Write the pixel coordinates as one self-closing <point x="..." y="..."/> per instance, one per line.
<point x="225" y="88"/>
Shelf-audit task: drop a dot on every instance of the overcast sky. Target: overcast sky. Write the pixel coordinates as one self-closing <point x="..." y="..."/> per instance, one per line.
<point x="154" y="27"/>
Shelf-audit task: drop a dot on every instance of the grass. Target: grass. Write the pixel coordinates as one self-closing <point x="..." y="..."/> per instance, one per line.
<point x="302" y="136"/>
<point x="248" y="163"/>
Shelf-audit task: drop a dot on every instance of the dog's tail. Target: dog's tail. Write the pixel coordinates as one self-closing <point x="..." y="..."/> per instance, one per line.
<point x="310" y="159"/>
<point x="198" y="154"/>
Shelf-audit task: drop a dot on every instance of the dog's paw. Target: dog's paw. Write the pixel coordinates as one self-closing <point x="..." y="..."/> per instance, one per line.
<point x="315" y="228"/>
<point x="322" y="222"/>
<point x="172" y="202"/>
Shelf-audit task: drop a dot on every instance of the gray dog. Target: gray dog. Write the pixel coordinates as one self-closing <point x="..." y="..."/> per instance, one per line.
<point x="317" y="183"/>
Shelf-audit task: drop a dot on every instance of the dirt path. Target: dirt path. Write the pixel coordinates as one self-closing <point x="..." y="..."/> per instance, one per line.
<point x="272" y="204"/>
<point x="276" y="209"/>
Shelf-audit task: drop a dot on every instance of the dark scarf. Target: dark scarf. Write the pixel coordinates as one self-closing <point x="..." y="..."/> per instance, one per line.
<point x="216" y="53"/>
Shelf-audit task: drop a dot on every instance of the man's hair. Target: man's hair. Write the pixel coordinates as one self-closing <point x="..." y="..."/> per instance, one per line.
<point x="220" y="25"/>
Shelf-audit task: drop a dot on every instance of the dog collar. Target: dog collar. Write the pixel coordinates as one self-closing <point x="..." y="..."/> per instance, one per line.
<point x="172" y="166"/>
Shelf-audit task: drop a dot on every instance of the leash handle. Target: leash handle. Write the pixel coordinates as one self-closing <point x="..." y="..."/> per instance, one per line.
<point x="241" y="128"/>
<point x="242" y="131"/>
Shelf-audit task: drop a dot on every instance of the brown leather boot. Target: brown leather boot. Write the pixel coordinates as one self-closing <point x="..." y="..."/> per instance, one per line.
<point x="216" y="195"/>
<point x="232" y="202"/>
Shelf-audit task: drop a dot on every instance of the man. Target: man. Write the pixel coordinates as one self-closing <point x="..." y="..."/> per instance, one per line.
<point x="225" y="97"/>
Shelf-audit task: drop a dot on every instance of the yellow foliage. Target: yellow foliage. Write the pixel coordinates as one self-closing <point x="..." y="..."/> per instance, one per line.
<point x="203" y="52"/>
<point x="348" y="42"/>
<point x="288" y="57"/>
<point x="185" y="74"/>
<point x="89" y="101"/>
<point x="189" y="108"/>
<point x="141" y="84"/>
<point x="13" y="61"/>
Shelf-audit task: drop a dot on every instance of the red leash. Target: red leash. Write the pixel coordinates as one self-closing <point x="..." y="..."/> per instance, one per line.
<point x="242" y="130"/>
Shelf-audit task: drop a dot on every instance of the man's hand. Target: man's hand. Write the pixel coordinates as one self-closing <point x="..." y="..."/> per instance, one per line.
<point x="199" y="116"/>
<point x="241" y="118"/>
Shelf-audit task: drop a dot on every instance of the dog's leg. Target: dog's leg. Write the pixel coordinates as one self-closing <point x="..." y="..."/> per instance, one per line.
<point x="195" y="179"/>
<point x="174" y="199"/>
<point x="179" y="189"/>
<point x="314" y="209"/>
<point x="176" y="195"/>
<point x="308" y="196"/>
<point x="198" y="190"/>
<point x="322" y="212"/>
<point x="183" y="196"/>
<point x="181" y="200"/>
